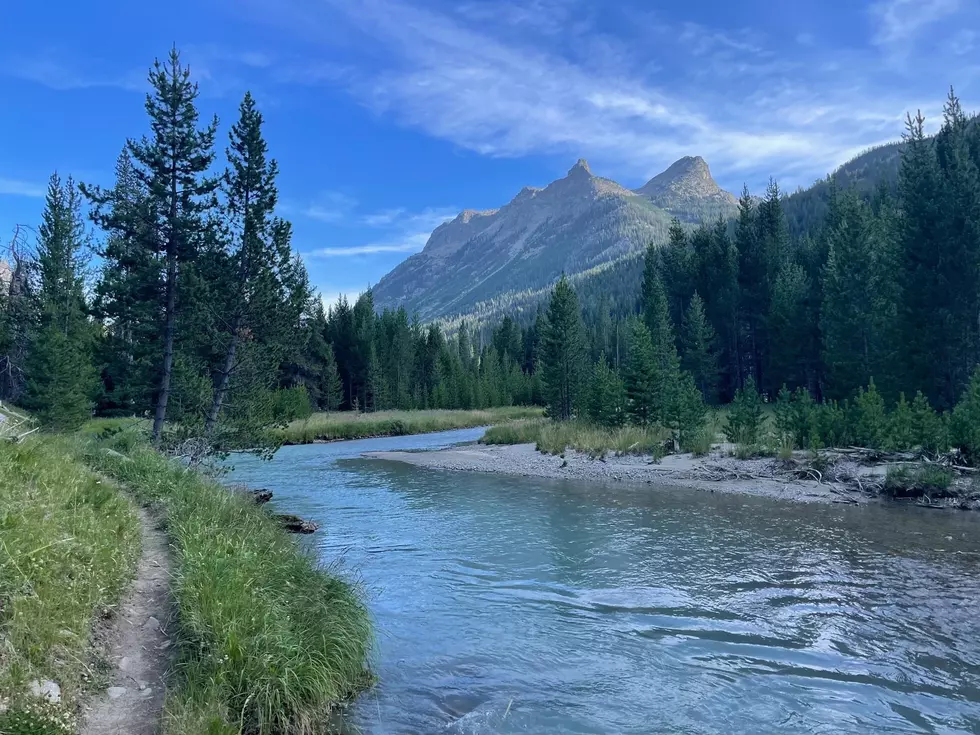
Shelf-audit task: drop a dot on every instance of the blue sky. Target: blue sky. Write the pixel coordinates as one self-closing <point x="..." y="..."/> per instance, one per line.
<point x="388" y="116"/>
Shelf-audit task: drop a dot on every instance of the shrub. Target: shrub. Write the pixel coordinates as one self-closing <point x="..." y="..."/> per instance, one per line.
<point x="870" y="418"/>
<point x="964" y="425"/>
<point x="606" y="396"/>
<point x="745" y="418"/>
<point x="291" y="404"/>
<point x="699" y="443"/>
<point x="908" y="482"/>
<point x="900" y="433"/>
<point x="833" y="427"/>
<point x="796" y="418"/>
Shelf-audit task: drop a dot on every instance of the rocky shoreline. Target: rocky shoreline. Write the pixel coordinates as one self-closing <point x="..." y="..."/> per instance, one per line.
<point x="849" y="481"/>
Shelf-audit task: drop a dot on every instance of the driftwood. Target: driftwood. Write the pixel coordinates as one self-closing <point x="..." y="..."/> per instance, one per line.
<point x="14" y="426"/>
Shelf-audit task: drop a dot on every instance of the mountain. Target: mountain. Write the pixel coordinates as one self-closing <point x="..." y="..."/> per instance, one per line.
<point x="687" y="191"/>
<point x="806" y="208"/>
<point x="575" y="225"/>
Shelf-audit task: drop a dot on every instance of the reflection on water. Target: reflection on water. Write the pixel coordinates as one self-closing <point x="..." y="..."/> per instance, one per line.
<point x="515" y="605"/>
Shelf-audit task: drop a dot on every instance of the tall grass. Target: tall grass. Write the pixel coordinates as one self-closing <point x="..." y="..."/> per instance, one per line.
<point x="553" y="437"/>
<point x="349" y="425"/>
<point x="269" y="641"/>
<point x="68" y="545"/>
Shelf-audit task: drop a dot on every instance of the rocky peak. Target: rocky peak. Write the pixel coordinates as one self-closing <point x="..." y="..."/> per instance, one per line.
<point x="686" y="179"/>
<point x="581" y="168"/>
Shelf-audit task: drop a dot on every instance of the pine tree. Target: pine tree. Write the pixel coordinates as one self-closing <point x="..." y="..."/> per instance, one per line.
<point x="787" y="315"/>
<point x="937" y="241"/>
<point x="563" y="356"/>
<point x="851" y="279"/>
<point x="698" y="349"/>
<point x="331" y="388"/>
<point x="128" y="295"/>
<point x="171" y="166"/>
<point x="261" y="291"/>
<point x="640" y="377"/>
<point x="744" y="424"/>
<point x="665" y="362"/>
<point x="677" y="271"/>
<point x="607" y="395"/>
<point x="60" y="375"/>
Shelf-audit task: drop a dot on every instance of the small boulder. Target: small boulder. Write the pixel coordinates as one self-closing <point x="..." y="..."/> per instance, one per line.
<point x="295" y="524"/>
<point x="262" y="496"/>
<point x="46" y="689"/>
<point x="116" y="692"/>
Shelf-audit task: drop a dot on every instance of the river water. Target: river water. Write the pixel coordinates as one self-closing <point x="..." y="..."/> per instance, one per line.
<point x="508" y="605"/>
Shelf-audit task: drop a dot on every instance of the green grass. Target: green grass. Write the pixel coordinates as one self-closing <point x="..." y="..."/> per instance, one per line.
<point x="553" y="437"/>
<point x="68" y="546"/>
<point x="269" y="641"/>
<point x="348" y="425"/>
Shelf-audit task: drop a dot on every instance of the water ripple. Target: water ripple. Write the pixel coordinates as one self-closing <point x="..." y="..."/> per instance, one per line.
<point x="507" y="605"/>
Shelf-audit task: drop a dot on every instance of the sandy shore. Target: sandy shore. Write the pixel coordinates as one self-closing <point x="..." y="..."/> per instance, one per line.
<point x="711" y="474"/>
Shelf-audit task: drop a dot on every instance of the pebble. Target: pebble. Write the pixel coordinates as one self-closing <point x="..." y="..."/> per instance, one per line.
<point x="116" y="692"/>
<point x="152" y="623"/>
<point x="124" y="663"/>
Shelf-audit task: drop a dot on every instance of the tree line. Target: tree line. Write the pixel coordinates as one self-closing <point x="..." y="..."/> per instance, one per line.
<point x="883" y="296"/>
<point x="198" y="313"/>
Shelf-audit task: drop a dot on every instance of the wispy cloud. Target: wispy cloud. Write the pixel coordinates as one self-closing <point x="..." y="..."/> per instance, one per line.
<point x="330" y="206"/>
<point x="55" y="71"/>
<point x="900" y="21"/>
<point x="557" y="85"/>
<point x="411" y="244"/>
<point x="14" y="187"/>
<point x="404" y="232"/>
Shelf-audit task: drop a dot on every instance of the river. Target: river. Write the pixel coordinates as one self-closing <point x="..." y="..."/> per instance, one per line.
<point x="508" y="605"/>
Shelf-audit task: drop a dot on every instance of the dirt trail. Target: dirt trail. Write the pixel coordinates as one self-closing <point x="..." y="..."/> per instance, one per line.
<point x="139" y="648"/>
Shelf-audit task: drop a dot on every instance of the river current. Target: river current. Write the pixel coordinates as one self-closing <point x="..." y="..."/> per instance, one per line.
<point x="515" y="605"/>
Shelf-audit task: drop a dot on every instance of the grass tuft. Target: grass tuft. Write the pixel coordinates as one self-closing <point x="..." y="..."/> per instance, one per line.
<point x="269" y="640"/>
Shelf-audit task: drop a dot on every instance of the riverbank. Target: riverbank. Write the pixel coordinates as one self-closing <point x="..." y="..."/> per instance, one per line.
<point x="267" y="639"/>
<point x="99" y="598"/>
<point x="846" y="481"/>
<point x="347" y="425"/>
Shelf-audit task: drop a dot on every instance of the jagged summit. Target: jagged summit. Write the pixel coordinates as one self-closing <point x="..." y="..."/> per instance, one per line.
<point x="579" y="222"/>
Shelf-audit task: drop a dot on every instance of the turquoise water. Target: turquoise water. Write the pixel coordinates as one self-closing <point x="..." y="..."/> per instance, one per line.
<point x="508" y="605"/>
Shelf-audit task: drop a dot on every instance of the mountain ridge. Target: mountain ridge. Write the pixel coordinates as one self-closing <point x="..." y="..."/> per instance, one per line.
<point x="572" y="225"/>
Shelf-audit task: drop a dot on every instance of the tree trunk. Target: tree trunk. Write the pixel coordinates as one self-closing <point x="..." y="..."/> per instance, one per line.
<point x="221" y="390"/>
<point x="160" y="414"/>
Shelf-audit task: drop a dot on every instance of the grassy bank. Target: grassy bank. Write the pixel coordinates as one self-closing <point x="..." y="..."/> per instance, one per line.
<point x="553" y="437"/>
<point x="68" y="546"/>
<point x="268" y="640"/>
<point x="347" y="425"/>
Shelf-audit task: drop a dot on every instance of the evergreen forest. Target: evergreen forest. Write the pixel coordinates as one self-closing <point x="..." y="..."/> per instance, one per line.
<point x="175" y="294"/>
